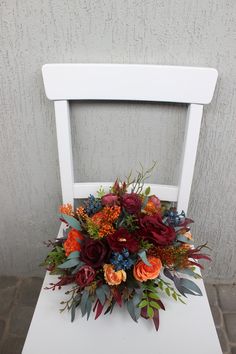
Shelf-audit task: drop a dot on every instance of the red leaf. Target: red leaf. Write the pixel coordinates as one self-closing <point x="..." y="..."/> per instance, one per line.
<point x="196" y="264"/>
<point x="161" y="304"/>
<point x="144" y="313"/>
<point x="117" y="297"/>
<point x="201" y="256"/>
<point x="156" y="319"/>
<point x="99" y="309"/>
<point x="96" y="303"/>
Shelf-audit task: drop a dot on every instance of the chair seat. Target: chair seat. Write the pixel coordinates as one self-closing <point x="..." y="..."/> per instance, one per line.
<point x="183" y="329"/>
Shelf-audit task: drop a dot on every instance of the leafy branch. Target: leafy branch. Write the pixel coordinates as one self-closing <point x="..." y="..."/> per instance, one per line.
<point x="138" y="182"/>
<point x="169" y="290"/>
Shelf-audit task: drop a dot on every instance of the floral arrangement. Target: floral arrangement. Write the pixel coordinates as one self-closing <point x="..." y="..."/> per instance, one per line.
<point x="125" y="248"/>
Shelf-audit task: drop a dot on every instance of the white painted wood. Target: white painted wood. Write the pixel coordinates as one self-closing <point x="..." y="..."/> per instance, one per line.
<point x="62" y="112"/>
<point x="183" y="329"/>
<point x="164" y="192"/>
<point x="192" y="131"/>
<point x="129" y="82"/>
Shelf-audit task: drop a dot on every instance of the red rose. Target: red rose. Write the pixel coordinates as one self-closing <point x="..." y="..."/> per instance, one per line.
<point x="109" y="199"/>
<point x="132" y="203"/>
<point x="94" y="252"/>
<point x="123" y="239"/>
<point x="85" y="276"/>
<point x="155" y="231"/>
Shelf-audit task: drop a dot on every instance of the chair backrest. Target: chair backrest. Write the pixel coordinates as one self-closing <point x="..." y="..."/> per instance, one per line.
<point x="190" y="85"/>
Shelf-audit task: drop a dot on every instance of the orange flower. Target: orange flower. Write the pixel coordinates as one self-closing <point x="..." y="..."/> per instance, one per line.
<point x="81" y="212"/>
<point x="111" y="276"/>
<point x="66" y="209"/>
<point x="143" y="272"/>
<point x="153" y="206"/>
<point x="72" y="244"/>
<point x="105" y="218"/>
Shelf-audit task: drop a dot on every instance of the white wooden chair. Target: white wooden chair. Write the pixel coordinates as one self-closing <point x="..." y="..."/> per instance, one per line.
<point x="183" y="329"/>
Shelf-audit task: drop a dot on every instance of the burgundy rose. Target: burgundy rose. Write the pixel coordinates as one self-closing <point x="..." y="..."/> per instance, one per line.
<point x="132" y="203"/>
<point x="94" y="252"/>
<point x="85" y="276"/>
<point x="123" y="239"/>
<point x="155" y="231"/>
<point x="109" y="199"/>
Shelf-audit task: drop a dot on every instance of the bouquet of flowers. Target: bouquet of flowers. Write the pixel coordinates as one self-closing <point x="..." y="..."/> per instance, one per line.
<point x="124" y="248"/>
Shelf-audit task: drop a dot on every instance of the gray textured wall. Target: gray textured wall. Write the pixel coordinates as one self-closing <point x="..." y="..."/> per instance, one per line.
<point x="200" y="33"/>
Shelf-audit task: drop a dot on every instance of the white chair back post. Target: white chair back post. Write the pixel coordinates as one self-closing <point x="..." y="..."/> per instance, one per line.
<point x="174" y="84"/>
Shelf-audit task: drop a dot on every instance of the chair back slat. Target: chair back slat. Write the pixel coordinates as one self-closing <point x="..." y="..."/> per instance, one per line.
<point x="65" y="82"/>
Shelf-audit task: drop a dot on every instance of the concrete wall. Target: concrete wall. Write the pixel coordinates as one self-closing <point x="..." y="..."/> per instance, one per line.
<point x="196" y="33"/>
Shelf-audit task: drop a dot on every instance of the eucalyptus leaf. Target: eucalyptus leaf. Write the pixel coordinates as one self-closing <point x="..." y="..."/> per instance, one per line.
<point x="83" y="303"/>
<point x="69" y="263"/>
<point x="168" y="274"/>
<point x="101" y="295"/>
<point x="73" y="308"/>
<point x="145" y="202"/>
<point x="143" y="256"/>
<point x="133" y="310"/>
<point x="106" y="289"/>
<point x="190" y="285"/>
<point x="80" y="264"/>
<point x="74" y="254"/>
<point x="88" y="307"/>
<point x="74" y="223"/>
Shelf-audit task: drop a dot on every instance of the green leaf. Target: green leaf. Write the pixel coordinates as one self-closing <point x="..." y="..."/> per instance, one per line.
<point x="78" y="267"/>
<point x="147" y="190"/>
<point x="143" y="256"/>
<point x="174" y="296"/>
<point x="160" y="285"/>
<point x="167" y="290"/>
<point x="143" y="303"/>
<point x="88" y="307"/>
<point x="150" y="312"/>
<point x="106" y="289"/>
<point x="101" y="295"/>
<point x="182" y="301"/>
<point x="189" y="284"/>
<point x="73" y="308"/>
<point x="155" y="305"/>
<point x="83" y="303"/>
<point x="153" y="296"/>
<point x="133" y="310"/>
<point x="69" y="263"/>
<point x="74" y="223"/>
<point x="74" y="254"/>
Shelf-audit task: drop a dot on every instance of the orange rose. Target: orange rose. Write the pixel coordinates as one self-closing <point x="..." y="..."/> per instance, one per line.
<point x="143" y="272"/>
<point x="72" y="244"/>
<point x="111" y="276"/>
